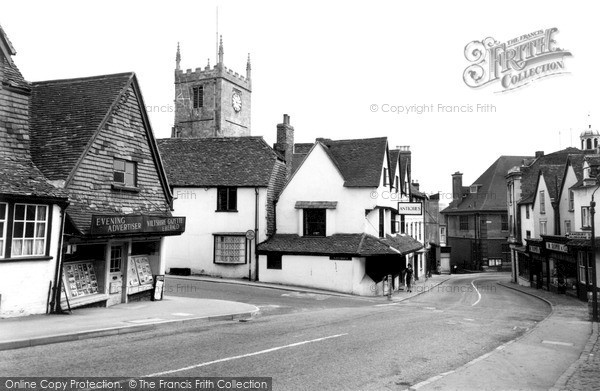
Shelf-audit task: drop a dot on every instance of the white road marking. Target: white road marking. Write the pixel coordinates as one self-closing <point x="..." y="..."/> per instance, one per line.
<point x="181" y="314"/>
<point x="469" y="319"/>
<point x="244" y="355"/>
<point x="557" y="343"/>
<point x="148" y="320"/>
<point x="476" y="290"/>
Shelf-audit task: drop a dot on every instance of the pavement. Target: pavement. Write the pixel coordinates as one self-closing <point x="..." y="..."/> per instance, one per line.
<point x="21" y="332"/>
<point x="560" y="353"/>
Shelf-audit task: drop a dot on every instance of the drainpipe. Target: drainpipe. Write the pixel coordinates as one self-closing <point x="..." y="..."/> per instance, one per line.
<point x="256" y="233"/>
<point x="55" y="303"/>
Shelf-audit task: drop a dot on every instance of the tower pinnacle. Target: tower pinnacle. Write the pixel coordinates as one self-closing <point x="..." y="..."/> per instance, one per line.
<point x="248" y="68"/>
<point x="221" y="50"/>
<point x="177" y="58"/>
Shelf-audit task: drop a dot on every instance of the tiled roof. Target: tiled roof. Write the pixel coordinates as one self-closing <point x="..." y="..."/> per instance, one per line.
<point x="416" y="193"/>
<point x="302" y="148"/>
<point x="65" y="114"/>
<point x="530" y="172"/>
<point x="360" y="161"/>
<point x="297" y="160"/>
<point x="340" y="244"/>
<point x="394" y="156"/>
<point x="10" y="73"/>
<point x="211" y="162"/>
<point x="405" y="159"/>
<point x="491" y="195"/>
<point x="20" y="177"/>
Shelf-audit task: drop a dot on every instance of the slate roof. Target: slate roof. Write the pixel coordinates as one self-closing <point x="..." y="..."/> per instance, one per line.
<point x="19" y="177"/>
<point x="362" y="245"/>
<point x="360" y="160"/>
<point x="549" y="164"/>
<point x="212" y="162"/>
<point x="405" y="159"/>
<point x="394" y="156"/>
<point x="491" y="195"/>
<point x="65" y="115"/>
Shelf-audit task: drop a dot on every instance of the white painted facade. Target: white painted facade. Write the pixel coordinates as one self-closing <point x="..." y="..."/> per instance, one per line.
<point x="566" y="210"/>
<point x="542" y="210"/>
<point x="357" y="211"/>
<point x="25" y="285"/>
<point x="195" y="248"/>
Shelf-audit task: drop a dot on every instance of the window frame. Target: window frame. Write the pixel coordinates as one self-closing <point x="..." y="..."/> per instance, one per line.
<point x="231" y="206"/>
<point x="385" y="177"/>
<point x="571" y="200"/>
<point x="3" y="229"/>
<point x="542" y="202"/>
<point x="25" y="221"/>
<point x="126" y="164"/>
<point x="274" y="261"/>
<point x="198" y="97"/>
<point x="463" y="225"/>
<point x="527" y="211"/>
<point x="568" y="227"/>
<point x="244" y="243"/>
<point x="112" y="268"/>
<point x="543" y="227"/>
<point x="306" y="213"/>
<point x="586" y="217"/>
<point x="381" y="223"/>
<point x="504" y="226"/>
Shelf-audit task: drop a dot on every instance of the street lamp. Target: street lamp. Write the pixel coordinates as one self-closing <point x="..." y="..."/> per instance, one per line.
<point x="593" y="243"/>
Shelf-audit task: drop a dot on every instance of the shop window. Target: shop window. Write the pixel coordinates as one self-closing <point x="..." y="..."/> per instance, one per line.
<point x="29" y="230"/>
<point x="586" y="221"/>
<point x="230" y="249"/>
<point x="464" y="223"/>
<point x="3" y="212"/>
<point x="116" y="259"/>
<point x="315" y="222"/>
<point x="198" y="96"/>
<point x="124" y="173"/>
<point x="227" y="199"/>
<point x="274" y="261"/>
<point x="504" y="222"/>
<point x="571" y="200"/>
<point x="542" y="202"/>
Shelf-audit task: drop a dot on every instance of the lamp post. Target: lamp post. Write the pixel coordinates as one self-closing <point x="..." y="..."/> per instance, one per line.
<point x="593" y="243"/>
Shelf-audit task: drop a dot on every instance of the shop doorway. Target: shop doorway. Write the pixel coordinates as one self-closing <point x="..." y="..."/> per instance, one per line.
<point x="117" y="258"/>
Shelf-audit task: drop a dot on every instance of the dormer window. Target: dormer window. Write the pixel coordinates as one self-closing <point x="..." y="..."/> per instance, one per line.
<point x="474" y="189"/>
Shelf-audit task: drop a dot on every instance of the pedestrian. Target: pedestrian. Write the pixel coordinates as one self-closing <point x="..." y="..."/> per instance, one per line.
<point x="408" y="278"/>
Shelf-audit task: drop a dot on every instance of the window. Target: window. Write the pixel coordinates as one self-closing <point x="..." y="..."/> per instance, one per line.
<point x="314" y="222"/>
<point x="29" y="230"/>
<point x="3" y="212"/>
<point x="274" y="261"/>
<point x="464" y="223"/>
<point x="543" y="227"/>
<point x="586" y="221"/>
<point x="116" y="258"/>
<point x="504" y="222"/>
<point x="527" y="234"/>
<point x="402" y="225"/>
<point x="381" y="223"/>
<point x="385" y="176"/>
<point x="511" y="225"/>
<point x="420" y="231"/>
<point x="473" y="189"/>
<point x="571" y="200"/>
<point x="230" y="249"/>
<point x="567" y="226"/>
<point x="397" y="183"/>
<point x="442" y="234"/>
<point x="510" y="195"/>
<point x="527" y="211"/>
<point x="227" y="199"/>
<point x="198" y="96"/>
<point x="394" y="228"/>
<point x="124" y="172"/>
<point x="583" y="260"/>
<point x="411" y="230"/>
<point x="542" y="202"/>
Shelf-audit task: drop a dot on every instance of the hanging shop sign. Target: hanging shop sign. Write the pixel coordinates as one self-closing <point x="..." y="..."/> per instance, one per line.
<point x="410" y="208"/>
<point x="132" y="224"/>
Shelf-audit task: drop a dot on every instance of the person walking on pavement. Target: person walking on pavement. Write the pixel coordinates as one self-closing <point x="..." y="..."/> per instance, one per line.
<point x="408" y="278"/>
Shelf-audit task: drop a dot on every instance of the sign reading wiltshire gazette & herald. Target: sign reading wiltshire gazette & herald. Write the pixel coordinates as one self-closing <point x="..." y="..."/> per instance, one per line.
<point x="131" y="224"/>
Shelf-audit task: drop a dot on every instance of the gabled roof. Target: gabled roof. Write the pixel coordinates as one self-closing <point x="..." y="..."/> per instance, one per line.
<point x="211" y="162"/>
<point x="361" y="245"/>
<point x="394" y="161"/>
<point x="549" y="164"/>
<point x="491" y="194"/>
<point x="359" y="160"/>
<point x="11" y="76"/>
<point x="65" y="116"/>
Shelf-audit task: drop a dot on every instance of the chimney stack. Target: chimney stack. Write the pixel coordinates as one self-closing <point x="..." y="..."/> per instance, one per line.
<point x="285" y="143"/>
<point x="539" y="154"/>
<point x="416" y="185"/>
<point x="457" y="185"/>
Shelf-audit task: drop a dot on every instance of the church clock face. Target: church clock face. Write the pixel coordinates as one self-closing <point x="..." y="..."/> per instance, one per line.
<point x="236" y="102"/>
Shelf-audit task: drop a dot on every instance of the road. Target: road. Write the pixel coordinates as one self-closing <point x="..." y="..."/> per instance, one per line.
<point x="330" y="343"/>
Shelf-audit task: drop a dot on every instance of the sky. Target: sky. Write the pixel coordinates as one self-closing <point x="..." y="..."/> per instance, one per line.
<point x="338" y="69"/>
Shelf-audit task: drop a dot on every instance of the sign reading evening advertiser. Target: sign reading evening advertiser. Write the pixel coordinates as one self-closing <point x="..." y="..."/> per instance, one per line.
<point x="132" y="224"/>
<point x="410" y="208"/>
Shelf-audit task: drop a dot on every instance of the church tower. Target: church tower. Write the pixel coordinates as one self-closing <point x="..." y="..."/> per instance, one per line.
<point x="589" y="137"/>
<point x="212" y="102"/>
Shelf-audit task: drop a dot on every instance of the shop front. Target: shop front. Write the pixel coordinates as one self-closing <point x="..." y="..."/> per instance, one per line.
<point x="561" y="266"/>
<point x="580" y="246"/>
<point x="536" y="263"/>
<point x="117" y="261"/>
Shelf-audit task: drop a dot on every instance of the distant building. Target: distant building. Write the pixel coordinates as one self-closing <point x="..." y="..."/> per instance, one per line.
<point x="477" y="219"/>
<point x="212" y="101"/>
